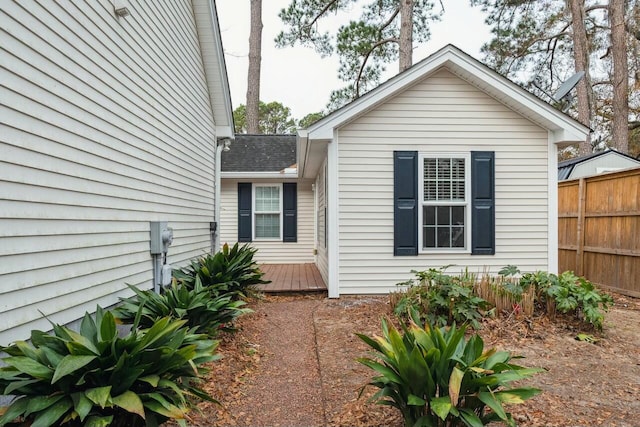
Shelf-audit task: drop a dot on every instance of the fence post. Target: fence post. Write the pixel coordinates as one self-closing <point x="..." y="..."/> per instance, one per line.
<point x="580" y="232"/>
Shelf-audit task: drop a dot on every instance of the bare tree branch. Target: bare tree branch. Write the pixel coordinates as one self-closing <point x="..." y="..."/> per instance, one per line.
<point x="366" y="58"/>
<point x="390" y="20"/>
<point x="319" y="15"/>
<point x="595" y="7"/>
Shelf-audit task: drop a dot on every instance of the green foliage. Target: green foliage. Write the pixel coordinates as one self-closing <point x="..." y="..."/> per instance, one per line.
<point x="509" y="284"/>
<point x="571" y="294"/>
<point x="441" y="299"/>
<point x="202" y="311"/>
<point x="231" y="271"/>
<point x="509" y="270"/>
<point x="533" y="44"/>
<point x="436" y="377"/>
<point x="310" y="119"/>
<point x="364" y="46"/>
<point x="273" y="118"/>
<point x="94" y="377"/>
<point x="587" y="338"/>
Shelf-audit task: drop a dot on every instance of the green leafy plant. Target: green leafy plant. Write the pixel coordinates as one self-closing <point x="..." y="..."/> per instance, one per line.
<point x="231" y="270"/>
<point x="202" y="311"/>
<point x="510" y="284"/>
<point x="540" y="280"/>
<point x="587" y="338"/>
<point x="441" y="299"/>
<point x="573" y="294"/>
<point x="509" y="270"/>
<point x="436" y="377"/>
<point x="569" y="294"/>
<point x="96" y="378"/>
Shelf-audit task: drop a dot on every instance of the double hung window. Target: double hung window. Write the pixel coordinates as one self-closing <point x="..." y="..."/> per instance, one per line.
<point x="444" y="203"/>
<point x="267" y="212"/>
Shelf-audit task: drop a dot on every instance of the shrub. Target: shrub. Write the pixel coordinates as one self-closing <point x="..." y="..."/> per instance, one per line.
<point x="202" y="311"/>
<point x="577" y="295"/>
<point x="540" y="281"/>
<point x="437" y="378"/>
<point x="232" y="270"/>
<point x="570" y="294"/>
<point x="95" y="378"/>
<point x="441" y="299"/>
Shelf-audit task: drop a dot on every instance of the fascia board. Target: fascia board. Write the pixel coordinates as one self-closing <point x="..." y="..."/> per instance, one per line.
<point x="224" y="132"/>
<point x="221" y="70"/>
<point x="302" y="145"/>
<point x="258" y="175"/>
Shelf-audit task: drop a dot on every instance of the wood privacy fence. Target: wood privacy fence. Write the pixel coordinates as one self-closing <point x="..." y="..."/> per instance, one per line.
<point x="599" y="229"/>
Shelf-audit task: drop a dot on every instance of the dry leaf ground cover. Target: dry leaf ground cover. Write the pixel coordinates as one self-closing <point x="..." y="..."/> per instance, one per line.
<point x="293" y="364"/>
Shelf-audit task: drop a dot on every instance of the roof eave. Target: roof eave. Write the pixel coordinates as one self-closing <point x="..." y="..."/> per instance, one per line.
<point x="258" y="175"/>
<point x="214" y="64"/>
<point x="565" y="130"/>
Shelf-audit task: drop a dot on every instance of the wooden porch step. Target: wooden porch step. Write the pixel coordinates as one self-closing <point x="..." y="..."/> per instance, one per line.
<point x="292" y="278"/>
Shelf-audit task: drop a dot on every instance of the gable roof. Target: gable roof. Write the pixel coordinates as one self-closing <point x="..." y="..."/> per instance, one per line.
<point x="260" y="153"/>
<point x="215" y="69"/>
<point x="564" y="128"/>
<point x="565" y="167"/>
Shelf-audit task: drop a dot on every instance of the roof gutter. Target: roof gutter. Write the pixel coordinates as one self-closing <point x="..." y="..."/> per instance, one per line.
<point x="259" y="175"/>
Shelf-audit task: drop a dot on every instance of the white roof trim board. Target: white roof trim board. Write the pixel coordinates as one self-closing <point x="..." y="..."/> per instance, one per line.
<point x="215" y="67"/>
<point x="565" y="130"/>
<point x="293" y="173"/>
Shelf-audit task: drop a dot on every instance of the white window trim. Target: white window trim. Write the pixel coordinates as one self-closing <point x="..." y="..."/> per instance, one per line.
<point x="467" y="202"/>
<point x="254" y="212"/>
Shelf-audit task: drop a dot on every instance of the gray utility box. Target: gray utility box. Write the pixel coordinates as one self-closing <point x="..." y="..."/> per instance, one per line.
<point x="161" y="237"/>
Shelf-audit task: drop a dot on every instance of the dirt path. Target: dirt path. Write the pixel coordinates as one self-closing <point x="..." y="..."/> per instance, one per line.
<point x="284" y="387"/>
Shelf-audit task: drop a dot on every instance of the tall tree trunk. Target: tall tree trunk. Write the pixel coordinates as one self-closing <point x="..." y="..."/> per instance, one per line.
<point x="620" y="104"/>
<point x="406" y="34"/>
<point x="581" y="61"/>
<point x="255" y="57"/>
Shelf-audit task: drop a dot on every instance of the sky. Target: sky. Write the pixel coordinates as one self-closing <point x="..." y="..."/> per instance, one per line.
<point x="298" y="77"/>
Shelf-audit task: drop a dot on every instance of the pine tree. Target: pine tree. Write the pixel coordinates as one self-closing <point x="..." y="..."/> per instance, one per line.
<point x="385" y="32"/>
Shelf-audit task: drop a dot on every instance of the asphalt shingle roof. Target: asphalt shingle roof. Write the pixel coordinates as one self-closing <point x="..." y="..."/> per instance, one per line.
<point x="259" y="153"/>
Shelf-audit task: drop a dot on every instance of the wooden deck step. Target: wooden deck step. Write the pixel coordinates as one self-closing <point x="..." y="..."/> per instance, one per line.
<point x="292" y="278"/>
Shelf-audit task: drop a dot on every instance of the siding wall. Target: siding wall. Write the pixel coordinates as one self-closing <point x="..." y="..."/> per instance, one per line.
<point x="441" y="114"/>
<point x="105" y="125"/>
<point x="322" y="260"/>
<point x="270" y="252"/>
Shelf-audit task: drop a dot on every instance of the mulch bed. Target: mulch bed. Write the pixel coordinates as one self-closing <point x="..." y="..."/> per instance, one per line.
<point x="584" y="384"/>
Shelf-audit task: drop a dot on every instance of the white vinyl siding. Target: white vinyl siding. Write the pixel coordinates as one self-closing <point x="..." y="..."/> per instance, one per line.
<point x="322" y="259"/>
<point x="105" y="125"/>
<point x="440" y="114"/>
<point x="270" y="251"/>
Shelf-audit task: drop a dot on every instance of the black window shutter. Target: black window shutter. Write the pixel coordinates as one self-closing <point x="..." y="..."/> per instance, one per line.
<point x="244" y="212"/>
<point x="405" y="203"/>
<point x="290" y="211"/>
<point x="483" y="211"/>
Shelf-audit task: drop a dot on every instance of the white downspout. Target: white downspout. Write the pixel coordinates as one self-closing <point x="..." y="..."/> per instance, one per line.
<point x="222" y="144"/>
